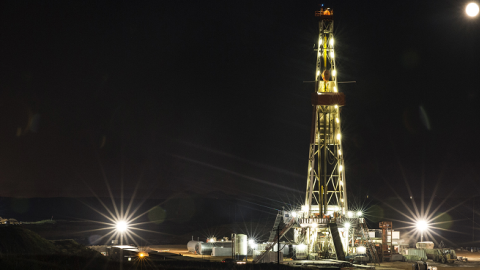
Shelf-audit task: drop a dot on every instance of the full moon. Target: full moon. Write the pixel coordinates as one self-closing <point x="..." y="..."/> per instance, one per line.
<point x="472" y="9"/>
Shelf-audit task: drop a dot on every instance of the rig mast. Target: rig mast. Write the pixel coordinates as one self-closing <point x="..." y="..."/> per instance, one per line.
<point x="326" y="186"/>
<point x="323" y="226"/>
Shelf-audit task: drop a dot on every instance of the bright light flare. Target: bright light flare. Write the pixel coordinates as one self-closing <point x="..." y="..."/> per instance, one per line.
<point x="121" y="226"/>
<point x="422" y="225"/>
<point x="361" y="250"/>
<point x="347" y="225"/>
<point x="472" y="9"/>
<point x="359" y="214"/>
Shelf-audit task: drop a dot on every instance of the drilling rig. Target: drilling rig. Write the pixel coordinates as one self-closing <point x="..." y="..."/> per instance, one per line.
<point x="323" y="226"/>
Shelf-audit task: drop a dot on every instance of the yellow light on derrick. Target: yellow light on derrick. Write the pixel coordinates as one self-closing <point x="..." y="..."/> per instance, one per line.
<point x="318" y="72"/>
<point x="332" y="55"/>
<point x="341" y="183"/>
<point x="320" y="41"/>
<point x="338" y="121"/>
<point x="340" y="168"/>
<point x="339" y="136"/>
<point x="339" y="152"/>
<point x="334" y="72"/>
<point x="331" y="42"/>
<point x="334" y="89"/>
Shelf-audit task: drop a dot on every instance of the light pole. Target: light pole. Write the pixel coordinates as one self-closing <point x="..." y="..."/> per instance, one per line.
<point x="422" y="226"/>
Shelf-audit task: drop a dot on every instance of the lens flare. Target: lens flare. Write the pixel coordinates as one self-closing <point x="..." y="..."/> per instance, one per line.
<point x="121" y="226"/>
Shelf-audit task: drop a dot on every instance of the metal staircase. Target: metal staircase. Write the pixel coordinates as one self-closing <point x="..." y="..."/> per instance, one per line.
<point x="337" y="242"/>
<point x="275" y="240"/>
<point x="371" y="251"/>
<point x="273" y="233"/>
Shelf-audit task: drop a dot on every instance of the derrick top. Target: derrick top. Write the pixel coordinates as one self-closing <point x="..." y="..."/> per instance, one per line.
<point x="324" y="14"/>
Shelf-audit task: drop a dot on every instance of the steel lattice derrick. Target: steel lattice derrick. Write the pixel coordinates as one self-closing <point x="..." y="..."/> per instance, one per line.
<point x="326" y="186"/>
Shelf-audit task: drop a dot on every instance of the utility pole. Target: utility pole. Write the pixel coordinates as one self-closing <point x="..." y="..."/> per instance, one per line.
<point x="278" y="246"/>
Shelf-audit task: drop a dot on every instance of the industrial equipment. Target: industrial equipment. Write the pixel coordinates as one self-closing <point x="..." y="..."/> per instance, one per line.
<point x="387" y="238"/>
<point x="323" y="225"/>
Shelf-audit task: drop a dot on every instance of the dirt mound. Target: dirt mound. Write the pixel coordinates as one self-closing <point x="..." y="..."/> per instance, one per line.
<point x="18" y="240"/>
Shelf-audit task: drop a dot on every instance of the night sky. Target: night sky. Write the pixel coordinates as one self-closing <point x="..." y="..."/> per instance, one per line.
<point x="208" y="97"/>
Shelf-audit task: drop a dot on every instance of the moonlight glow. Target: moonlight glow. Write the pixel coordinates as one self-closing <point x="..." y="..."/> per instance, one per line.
<point x="472" y="9"/>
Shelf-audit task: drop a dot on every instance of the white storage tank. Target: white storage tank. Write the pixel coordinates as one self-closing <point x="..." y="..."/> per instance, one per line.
<point x="223" y="244"/>
<point x="204" y="248"/>
<point x="241" y="245"/>
<point x="191" y="245"/>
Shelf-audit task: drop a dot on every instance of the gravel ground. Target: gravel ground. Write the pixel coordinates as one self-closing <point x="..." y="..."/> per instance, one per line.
<point x="473" y="262"/>
<point x="473" y="259"/>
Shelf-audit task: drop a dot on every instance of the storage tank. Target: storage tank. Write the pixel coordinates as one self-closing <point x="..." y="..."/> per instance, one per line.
<point x="224" y="244"/>
<point x="204" y="248"/>
<point x="191" y="245"/>
<point x="241" y="245"/>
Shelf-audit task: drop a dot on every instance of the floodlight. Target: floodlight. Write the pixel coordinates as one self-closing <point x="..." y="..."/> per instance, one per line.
<point x="359" y="214"/>
<point x="422" y="225"/>
<point x="347" y="225"/>
<point x="361" y="250"/>
<point x="349" y="213"/>
<point x="121" y="226"/>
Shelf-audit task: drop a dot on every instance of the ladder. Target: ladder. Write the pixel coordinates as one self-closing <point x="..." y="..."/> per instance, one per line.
<point x="275" y="240"/>
<point x="273" y="233"/>
<point x="371" y="251"/>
